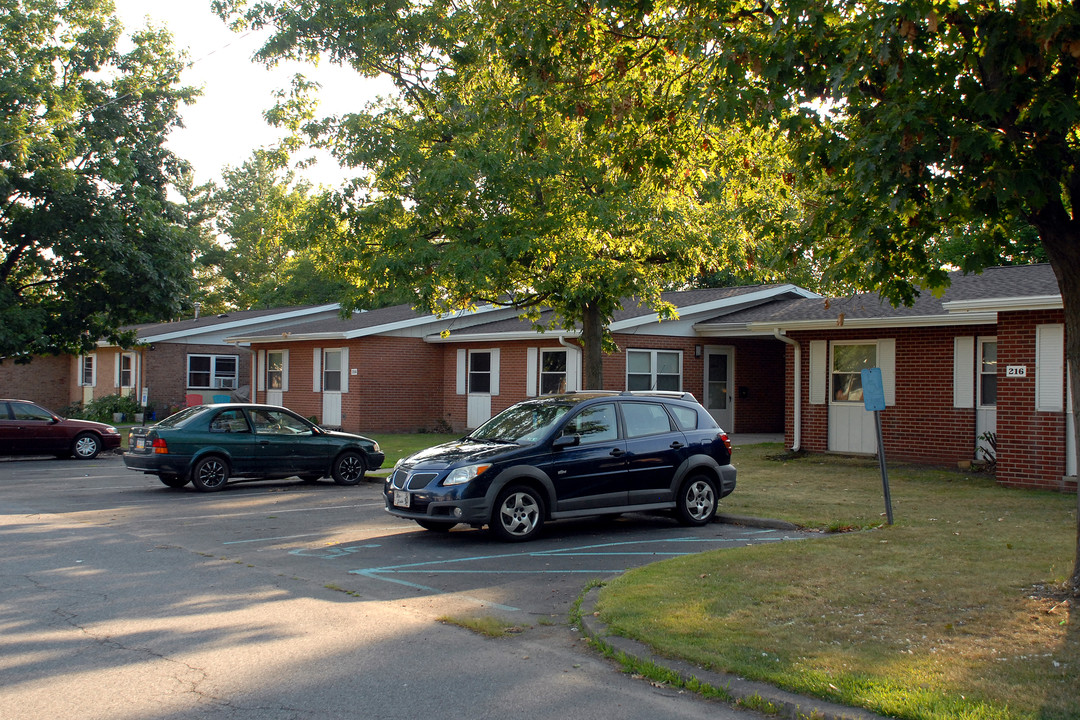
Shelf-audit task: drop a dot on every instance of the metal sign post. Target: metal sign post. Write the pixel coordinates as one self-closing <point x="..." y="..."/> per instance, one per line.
<point x="874" y="401"/>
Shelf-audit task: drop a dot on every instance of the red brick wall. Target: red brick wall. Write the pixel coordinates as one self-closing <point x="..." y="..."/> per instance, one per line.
<point x="165" y="373"/>
<point x="397" y="386"/>
<point x="1031" y="444"/>
<point x="923" y="426"/>
<point x="758" y="367"/>
<point x="405" y="384"/>
<point x="44" y="380"/>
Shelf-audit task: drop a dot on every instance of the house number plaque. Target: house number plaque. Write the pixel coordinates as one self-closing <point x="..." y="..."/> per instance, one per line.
<point x="1016" y="371"/>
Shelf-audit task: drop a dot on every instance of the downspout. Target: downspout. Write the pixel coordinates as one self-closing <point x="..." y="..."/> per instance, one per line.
<point x="796" y="440"/>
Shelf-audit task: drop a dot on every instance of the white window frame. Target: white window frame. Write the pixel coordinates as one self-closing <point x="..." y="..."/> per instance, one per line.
<point x="270" y="369"/>
<point x="88" y="364"/>
<point x="217" y="379"/>
<point x="653" y="374"/>
<point x="833" y="371"/>
<point x="562" y="378"/>
<point x="470" y="373"/>
<point x="130" y="358"/>
<point x="340" y="353"/>
<point x="981" y="372"/>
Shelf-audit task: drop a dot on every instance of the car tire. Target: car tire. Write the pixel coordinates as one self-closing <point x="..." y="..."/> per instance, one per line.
<point x="436" y="525"/>
<point x="697" y="501"/>
<point x="210" y="474"/>
<point x="518" y="514"/>
<point x="173" y="481"/>
<point x="86" y="446"/>
<point x="349" y="468"/>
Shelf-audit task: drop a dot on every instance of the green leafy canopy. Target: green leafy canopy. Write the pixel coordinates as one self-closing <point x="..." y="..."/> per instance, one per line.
<point x="89" y="240"/>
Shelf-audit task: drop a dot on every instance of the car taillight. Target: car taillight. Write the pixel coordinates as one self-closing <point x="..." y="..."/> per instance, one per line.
<point x="726" y="440"/>
<point x="159" y="446"/>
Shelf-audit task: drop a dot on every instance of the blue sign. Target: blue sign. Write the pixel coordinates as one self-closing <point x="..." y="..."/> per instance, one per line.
<point x="873" y="389"/>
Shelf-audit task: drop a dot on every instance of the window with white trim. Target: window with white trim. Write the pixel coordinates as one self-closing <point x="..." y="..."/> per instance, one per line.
<point x="125" y="371"/>
<point x="332" y="370"/>
<point x="215" y="372"/>
<point x="654" y="370"/>
<point x="479" y="371"/>
<point x="87" y="374"/>
<point x="552" y="371"/>
<point x="988" y="372"/>
<point x="848" y="362"/>
<point x="275" y="369"/>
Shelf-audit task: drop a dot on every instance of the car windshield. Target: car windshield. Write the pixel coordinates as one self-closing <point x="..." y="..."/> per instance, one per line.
<point x="523" y="424"/>
<point x="177" y="418"/>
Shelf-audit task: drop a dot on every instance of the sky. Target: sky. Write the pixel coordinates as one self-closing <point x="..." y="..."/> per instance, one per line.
<point x="226" y="123"/>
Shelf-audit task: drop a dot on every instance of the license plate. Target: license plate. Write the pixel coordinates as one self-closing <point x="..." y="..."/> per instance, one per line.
<point x="402" y="499"/>
<point x="140" y="443"/>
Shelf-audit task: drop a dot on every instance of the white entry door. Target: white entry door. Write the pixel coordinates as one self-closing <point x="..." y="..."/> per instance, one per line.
<point x="851" y="425"/>
<point x="986" y="387"/>
<point x="719" y="380"/>
<point x="332" y="386"/>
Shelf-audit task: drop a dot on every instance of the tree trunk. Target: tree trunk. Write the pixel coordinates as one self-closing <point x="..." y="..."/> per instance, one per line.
<point x="1060" y="236"/>
<point x="592" y="337"/>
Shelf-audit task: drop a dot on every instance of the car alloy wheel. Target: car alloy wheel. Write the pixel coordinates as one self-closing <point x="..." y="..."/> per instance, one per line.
<point x="519" y="514"/>
<point x="696" y="503"/>
<point x="210" y="474"/>
<point x="349" y="468"/>
<point x="86" y="446"/>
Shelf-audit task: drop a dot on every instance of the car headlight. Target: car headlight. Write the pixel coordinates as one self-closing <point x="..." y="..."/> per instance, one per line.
<point x="375" y="447"/>
<point x="462" y="475"/>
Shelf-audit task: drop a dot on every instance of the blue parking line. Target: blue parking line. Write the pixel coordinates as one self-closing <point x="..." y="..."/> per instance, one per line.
<point x="388" y="573"/>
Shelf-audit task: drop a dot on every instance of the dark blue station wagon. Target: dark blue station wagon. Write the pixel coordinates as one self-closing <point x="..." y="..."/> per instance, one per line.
<point x="566" y="456"/>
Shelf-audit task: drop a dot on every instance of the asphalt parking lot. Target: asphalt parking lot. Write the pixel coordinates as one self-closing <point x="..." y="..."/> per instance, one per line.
<point x="341" y="536"/>
<point x="93" y="545"/>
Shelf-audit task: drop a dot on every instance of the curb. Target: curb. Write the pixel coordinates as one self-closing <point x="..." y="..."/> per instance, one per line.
<point x="755" y="522"/>
<point x="742" y="693"/>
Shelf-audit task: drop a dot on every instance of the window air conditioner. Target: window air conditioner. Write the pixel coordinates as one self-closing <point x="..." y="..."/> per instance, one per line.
<point x="225" y="383"/>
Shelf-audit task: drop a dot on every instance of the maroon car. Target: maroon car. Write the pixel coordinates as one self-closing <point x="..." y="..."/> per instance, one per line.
<point x="29" y="429"/>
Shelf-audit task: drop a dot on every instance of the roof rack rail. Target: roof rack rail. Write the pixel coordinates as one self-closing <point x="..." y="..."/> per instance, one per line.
<point x="677" y="394"/>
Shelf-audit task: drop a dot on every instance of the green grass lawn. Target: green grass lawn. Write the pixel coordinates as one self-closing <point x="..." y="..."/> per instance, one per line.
<point x="397" y="446"/>
<point x="945" y="614"/>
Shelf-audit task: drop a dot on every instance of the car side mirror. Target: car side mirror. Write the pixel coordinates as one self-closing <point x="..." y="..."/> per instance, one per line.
<point x="566" y="441"/>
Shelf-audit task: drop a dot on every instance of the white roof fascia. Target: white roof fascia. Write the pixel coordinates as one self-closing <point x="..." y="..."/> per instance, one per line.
<point x="715" y="305"/>
<point x="501" y="337"/>
<point x="769" y="326"/>
<point x="284" y="336"/>
<point x="1035" y="302"/>
<point x="984" y="318"/>
<point x="364" y="332"/>
<point x="218" y="327"/>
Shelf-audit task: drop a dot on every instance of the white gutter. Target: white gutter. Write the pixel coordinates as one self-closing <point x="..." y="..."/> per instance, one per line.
<point x="532" y="335"/>
<point x="713" y="306"/>
<point x="1035" y="302"/>
<point x="796" y="440"/>
<point x="233" y="324"/>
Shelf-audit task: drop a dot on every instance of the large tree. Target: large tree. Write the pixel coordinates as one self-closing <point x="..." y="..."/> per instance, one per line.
<point x="265" y="223"/>
<point x="927" y="119"/>
<point x="930" y="120"/>
<point x="89" y="240"/>
<point x="474" y="187"/>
